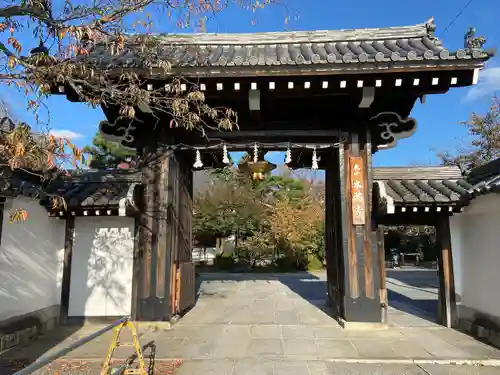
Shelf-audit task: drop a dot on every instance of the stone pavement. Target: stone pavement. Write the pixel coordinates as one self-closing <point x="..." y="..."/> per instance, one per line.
<point x="415" y="287"/>
<point x="277" y="324"/>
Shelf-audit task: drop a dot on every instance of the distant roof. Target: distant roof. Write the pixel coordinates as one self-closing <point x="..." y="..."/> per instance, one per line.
<point x="417" y="173"/>
<point x="486" y="178"/>
<point x="416" y="44"/>
<point x="433" y="186"/>
<point x="427" y="186"/>
<point x="95" y="190"/>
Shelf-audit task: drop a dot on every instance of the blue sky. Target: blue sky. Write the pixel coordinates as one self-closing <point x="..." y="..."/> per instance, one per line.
<point x="438" y="118"/>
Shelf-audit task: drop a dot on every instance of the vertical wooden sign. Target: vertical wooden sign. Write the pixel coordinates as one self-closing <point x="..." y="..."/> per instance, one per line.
<point x="358" y="203"/>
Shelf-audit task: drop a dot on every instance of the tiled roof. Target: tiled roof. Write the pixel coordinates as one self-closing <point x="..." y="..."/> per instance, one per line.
<point x="417" y="186"/>
<point x="417" y="173"/>
<point x="486" y="178"/>
<point x="491" y="185"/>
<point x="377" y="45"/>
<point x="95" y="189"/>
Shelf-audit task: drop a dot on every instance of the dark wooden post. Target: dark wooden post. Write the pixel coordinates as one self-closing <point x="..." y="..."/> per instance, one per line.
<point x="384" y="302"/>
<point x="447" y="300"/>
<point x="361" y="269"/>
<point x="162" y="238"/>
<point x="153" y="258"/>
<point x="69" y="235"/>
<point x="331" y="246"/>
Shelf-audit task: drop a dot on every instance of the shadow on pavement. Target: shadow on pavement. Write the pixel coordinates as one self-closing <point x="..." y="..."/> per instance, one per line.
<point x="313" y="289"/>
<point x="424" y="309"/>
<point x="306" y="285"/>
<point x="415" y="277"/>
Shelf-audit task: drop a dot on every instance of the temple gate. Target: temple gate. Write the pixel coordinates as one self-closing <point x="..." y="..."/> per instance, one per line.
<point x="332" y="98"/>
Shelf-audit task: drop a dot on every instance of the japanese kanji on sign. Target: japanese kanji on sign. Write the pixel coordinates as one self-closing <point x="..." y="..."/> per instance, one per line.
<point x="357" y="190"/>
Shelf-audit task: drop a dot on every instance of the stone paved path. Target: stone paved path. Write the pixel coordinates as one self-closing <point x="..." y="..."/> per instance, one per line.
<point x="277" y="324"/>
<point x="415" y="288"/>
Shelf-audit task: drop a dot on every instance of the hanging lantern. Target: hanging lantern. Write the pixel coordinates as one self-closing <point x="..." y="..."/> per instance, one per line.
<point x="260" y="169"/>
<point x="256" y="170"/>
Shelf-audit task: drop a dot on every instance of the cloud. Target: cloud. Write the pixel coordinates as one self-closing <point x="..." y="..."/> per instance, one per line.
<point x="489" y="83"/>
<point x="65" y="133"/>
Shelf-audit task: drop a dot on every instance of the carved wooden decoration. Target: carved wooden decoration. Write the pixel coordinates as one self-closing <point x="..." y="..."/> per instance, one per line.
<point x="389" y="127"/>
<point x="358" y="203"/>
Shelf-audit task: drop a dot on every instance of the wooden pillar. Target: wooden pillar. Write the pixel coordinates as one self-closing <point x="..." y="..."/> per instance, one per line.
<point x="361" y="268"/>
<point x="153" y="257"/>
<point x="332" y="255"/>
<point x="447" y="300"/>
<point x="69" y="236"/>
<point x="160" y="232"/>
<point x="384" y="302"/>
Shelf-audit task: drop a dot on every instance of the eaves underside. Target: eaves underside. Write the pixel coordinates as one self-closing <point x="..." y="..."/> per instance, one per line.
<point x="310" y="70"/>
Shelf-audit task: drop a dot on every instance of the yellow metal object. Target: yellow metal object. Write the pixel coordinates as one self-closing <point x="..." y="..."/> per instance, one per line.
<point x="106" y="367"/>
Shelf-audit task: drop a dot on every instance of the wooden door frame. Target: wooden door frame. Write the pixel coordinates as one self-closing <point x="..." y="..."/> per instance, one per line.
<point x="447" y="307"/>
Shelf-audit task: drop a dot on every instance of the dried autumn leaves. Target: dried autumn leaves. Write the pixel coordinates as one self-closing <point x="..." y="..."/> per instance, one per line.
<point x="35" y="154"/>
<point x="23" y="149"/>
<point x="76" y="30"/>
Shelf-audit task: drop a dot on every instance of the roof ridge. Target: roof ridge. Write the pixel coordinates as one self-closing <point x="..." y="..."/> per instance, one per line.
<point x="300" y="36"/>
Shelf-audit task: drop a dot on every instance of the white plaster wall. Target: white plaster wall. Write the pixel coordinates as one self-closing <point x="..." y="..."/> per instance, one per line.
<point x="480" y="239"/>
<point x="31" y="256"/>
<point x="102" y="267"/>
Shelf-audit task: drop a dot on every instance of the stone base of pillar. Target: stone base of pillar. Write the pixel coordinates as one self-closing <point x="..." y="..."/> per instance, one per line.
<point x="361" y="326"/>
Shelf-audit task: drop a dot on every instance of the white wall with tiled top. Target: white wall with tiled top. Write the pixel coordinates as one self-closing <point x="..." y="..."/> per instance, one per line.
<point x="102" y="267"/>
<point x="476" y="256"/>
<point x="31" y="260"/>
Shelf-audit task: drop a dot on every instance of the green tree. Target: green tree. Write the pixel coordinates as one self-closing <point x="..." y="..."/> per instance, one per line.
<point x="107" y="154"/>
<point x="485" y="141"/>
<point x="276" y="187"/>
<point x="227" y="207"/>
<point x="276" y="218"/>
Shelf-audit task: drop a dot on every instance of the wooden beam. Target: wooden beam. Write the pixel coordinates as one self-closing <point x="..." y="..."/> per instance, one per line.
<point x="69" y="236"/>
<point x="447" y="298"/>
<point x="299" y="71"/>
<point x="259" y="134"/>
<point x="409" y="218"/>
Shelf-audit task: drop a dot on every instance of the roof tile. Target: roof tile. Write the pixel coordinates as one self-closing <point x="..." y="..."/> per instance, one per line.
<point x="95" y="189"/>
<point x="377" y="45"/>
<point x="425" y="192"/>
